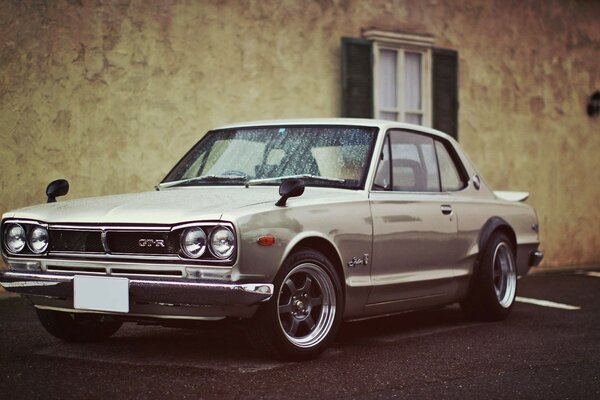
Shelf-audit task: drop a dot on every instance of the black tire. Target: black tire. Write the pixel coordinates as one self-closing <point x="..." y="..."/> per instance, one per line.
<point x="304" y="314"/>
<point x="494" y="284"/>
<point x="75" y="327"/>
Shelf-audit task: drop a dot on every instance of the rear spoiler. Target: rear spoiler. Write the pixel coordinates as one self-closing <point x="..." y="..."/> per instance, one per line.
<point x="511" y="196"/>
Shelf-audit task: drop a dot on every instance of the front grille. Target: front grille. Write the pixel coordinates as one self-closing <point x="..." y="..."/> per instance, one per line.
<point x="158" y="243"/>
<point x="117" y="242"/>
<point x="76" y="241"/>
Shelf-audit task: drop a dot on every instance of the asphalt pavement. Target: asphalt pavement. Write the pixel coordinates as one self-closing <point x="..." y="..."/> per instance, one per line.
<point x="547" y="350"/>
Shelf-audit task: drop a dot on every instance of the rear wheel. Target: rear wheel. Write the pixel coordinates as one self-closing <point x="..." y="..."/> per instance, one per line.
<point x="494" y="284"/>
<point x="75" y="327"/>
<point x="304" y="314"/>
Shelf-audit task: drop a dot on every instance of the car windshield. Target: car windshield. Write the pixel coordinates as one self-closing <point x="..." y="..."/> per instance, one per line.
<point x="334" y="156"/>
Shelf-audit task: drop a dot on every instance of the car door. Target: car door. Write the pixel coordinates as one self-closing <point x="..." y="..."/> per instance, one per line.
<point x="414" y="226"/>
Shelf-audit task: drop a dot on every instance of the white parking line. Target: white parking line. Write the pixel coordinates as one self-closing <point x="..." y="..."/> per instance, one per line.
<point x="592" y="273"/>
<point x="546" y="303"/>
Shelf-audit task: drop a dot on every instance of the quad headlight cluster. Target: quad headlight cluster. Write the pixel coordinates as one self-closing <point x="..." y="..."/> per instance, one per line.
<point x="201" y="241"/>
<point x="26" y="238"/>
<point x="220" y="242"/>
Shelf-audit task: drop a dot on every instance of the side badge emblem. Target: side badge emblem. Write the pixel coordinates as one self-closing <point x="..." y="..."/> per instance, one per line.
<point x="359" y="261"/>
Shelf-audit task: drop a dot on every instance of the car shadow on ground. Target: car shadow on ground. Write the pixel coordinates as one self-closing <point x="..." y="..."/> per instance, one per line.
<point x="223" y="346"/>
<point x="414" y="323"/>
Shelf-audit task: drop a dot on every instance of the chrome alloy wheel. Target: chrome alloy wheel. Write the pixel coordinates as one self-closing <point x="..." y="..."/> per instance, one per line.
<point x="306" y="305"/>
<point x="504" y="275"/>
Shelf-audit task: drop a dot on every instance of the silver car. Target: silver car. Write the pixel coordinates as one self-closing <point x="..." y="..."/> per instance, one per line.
<point x="290" y="226"/>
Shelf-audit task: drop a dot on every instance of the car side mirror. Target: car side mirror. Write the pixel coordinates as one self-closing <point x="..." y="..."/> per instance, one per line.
<point x="59" y="187"/>
<point x="290" y="188"/>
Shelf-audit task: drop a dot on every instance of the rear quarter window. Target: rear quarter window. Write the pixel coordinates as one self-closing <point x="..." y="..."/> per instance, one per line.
<point x="450" y="175"/>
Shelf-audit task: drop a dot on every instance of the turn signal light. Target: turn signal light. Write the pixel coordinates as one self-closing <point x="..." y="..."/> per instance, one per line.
<point x="267" y="240"/>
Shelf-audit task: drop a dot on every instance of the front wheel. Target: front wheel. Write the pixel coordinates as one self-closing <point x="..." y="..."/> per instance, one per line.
<point x="494" y="285"/>
<point x="304" y="314"/>
<point x="75" y="327"/>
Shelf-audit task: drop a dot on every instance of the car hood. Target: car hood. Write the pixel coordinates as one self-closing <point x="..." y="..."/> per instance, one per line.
<point x="170" y="206"/>
<point x="158" y="207"/>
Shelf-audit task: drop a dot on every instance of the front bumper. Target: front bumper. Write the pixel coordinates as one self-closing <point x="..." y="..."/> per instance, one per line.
<point x="160" y="298"/>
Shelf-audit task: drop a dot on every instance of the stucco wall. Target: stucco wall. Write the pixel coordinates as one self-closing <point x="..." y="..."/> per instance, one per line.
<point x="109" y="94"/>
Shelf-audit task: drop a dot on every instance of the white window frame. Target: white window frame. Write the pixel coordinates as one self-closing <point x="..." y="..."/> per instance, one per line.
<point x="402" y="43"/>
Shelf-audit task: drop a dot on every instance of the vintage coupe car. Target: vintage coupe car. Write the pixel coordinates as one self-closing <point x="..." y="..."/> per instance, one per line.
<point x="292" y="226"/>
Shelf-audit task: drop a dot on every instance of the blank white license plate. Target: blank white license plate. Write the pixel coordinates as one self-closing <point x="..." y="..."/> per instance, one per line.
<point x="101" y="294"/>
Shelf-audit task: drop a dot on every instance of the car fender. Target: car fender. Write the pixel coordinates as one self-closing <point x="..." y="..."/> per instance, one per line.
<point x="486" y="232"/>
<point x="296" y="241"/>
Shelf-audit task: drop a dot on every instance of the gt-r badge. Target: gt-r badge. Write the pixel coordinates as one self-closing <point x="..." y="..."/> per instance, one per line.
<point x="151" y="243"/>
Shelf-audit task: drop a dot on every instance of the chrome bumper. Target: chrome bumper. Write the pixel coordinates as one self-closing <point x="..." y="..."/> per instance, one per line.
<point x="230" y="298"/>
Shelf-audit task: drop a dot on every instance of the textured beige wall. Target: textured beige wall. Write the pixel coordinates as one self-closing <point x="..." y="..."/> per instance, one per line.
<point x="109" y="94"/>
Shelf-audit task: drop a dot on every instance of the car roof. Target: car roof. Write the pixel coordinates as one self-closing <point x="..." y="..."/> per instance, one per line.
<point x="372" y="123"/>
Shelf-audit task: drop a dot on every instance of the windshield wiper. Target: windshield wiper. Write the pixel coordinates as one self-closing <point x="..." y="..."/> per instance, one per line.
<point x="217" y="178"/>
<point x="204" y="178"/>
<point x="302" y="176"/>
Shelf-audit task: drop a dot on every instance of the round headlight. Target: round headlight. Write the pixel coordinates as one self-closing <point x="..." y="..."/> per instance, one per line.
<point x="193" y="242"/>
<point x="222" y="242"/>
<point x="38" y="239"/>
<point x="15" y="238"/>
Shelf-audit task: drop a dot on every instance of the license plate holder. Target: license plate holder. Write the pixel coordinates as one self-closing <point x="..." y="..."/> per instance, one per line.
<point x="101" y="293"/>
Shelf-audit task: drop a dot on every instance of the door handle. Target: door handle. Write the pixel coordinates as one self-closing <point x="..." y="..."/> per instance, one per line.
<point x="446" y="209"/>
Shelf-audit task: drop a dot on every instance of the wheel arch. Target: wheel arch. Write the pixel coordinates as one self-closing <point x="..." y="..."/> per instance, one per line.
<point x="493" y="225"/>
<point x="481" y="301"/>
<point x="327" y="248"/>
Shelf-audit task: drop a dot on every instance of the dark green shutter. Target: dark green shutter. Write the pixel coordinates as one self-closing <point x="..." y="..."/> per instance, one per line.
<point x="445" y="91"/>
<point x="357" y="78"/>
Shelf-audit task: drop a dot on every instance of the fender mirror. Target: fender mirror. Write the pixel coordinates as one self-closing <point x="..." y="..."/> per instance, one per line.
<point x="59" y="187"/>
<point x="290" y="188"/>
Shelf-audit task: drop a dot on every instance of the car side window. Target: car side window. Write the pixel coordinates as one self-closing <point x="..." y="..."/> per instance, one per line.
<point x="382" y="176"/>
<point x="449" y="173"/>
<point x="414" y="162"/>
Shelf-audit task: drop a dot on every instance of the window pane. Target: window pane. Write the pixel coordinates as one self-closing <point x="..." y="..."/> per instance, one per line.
<point x="412" y="81"/>
<point x="387" y="79"/>
<point x="430" y="163"/>
<point x="414" y="165"/>
<point x="247" y="154"/>
<point x="414" y="119"/>
<point x="392" y="116"/>
<point x="382" y="176"/>
<point x="451" y="180"/>
<point x="255" y="152"/>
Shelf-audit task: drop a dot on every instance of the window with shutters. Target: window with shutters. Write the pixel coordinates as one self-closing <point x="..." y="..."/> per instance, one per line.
<point x="402" y="82"/>
<point x="400" y="77"/>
